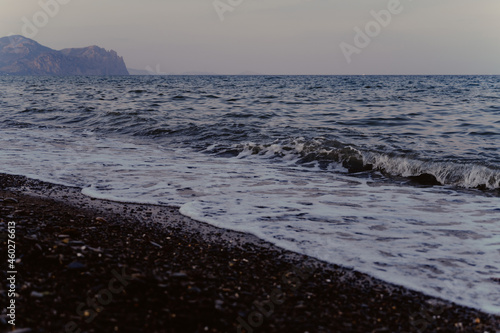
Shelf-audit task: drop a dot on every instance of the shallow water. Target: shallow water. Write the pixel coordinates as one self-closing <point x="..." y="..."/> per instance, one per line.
<point x="317" y="165"/>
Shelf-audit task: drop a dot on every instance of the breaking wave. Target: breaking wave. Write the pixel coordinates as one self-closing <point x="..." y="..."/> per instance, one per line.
<point x="325" y="154"/>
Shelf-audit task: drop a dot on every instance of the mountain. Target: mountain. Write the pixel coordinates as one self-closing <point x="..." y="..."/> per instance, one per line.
<point x="133" y="71"/>
<point x="147" y="71"/>
<point x="23" y="56"/>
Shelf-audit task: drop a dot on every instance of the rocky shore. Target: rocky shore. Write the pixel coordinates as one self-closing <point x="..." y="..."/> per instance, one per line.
<point x="23" y="56"/>
<point x="87" y="265"/>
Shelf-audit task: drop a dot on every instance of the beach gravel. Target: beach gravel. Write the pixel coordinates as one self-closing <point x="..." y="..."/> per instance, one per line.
<point x="88" y="265"/>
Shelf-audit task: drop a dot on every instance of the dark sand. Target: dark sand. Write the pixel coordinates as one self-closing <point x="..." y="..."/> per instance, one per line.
<point x="97" y="266"/>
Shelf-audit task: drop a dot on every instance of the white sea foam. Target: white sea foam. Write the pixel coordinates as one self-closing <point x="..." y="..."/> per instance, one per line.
<point x="436" y="240"/>
<point x="446" y="172"/>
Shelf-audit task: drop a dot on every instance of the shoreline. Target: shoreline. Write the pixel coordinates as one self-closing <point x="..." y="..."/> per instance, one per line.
<point x="90" y="265"/>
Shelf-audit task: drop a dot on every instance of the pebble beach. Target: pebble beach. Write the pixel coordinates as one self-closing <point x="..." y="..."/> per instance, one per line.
<point x="89" y="265"/>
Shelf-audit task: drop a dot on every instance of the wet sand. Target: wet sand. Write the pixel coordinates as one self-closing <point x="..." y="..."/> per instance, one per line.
<point x="88" y="265"/>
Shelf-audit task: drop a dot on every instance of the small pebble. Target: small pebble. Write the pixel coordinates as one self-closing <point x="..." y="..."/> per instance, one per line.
<point x="179" y="275"/>
<point x="21" y="330"/>
<point x="10" y="200"/>
<point x="76" y="265"/>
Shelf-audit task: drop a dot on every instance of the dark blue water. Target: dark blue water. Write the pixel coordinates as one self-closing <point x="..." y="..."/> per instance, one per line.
<point x="335" y="167"/>
<point x="448" y="126"/>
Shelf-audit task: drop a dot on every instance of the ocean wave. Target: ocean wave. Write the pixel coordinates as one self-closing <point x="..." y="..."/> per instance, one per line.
<point x="323" y="153"/>
<point x="465" y="175"/>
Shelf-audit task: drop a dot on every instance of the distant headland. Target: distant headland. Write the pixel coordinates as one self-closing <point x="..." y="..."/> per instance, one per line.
<point x="23" y="56"/>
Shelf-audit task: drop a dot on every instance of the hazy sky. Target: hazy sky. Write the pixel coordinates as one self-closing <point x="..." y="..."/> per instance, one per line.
<point x="272" y="36"/>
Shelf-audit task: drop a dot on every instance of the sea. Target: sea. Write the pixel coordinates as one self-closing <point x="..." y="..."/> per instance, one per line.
<point x="394" y="176"/>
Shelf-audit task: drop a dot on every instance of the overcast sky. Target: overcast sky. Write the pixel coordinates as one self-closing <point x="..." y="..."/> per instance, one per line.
<point x="272" y="36"/>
